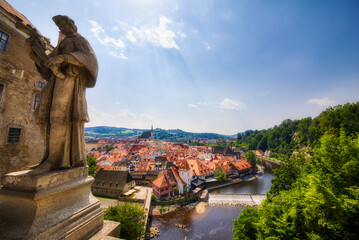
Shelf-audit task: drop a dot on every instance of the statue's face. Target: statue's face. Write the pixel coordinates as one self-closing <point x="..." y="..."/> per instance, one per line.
<point x="65" y="27"/>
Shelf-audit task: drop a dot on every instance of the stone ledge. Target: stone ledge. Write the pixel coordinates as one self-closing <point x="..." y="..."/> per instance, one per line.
<point x="110" y="230"/>
<point x="22" y="181"/>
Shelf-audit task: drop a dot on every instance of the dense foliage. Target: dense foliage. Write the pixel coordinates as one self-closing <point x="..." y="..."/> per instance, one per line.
<point x="131" y="217"/>
<point x="311" y="197"/>
<point x="251" y="158"/>
<point x="221" y="177"/>
<point x="92" y="165"/>
<point x="291" y="135"/>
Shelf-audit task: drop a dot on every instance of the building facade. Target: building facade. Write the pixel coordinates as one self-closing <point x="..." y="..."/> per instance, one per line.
<point x="21" y="139"/>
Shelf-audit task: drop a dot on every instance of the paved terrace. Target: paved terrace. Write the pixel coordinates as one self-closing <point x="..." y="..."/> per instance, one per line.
<point x="236" y="199"/>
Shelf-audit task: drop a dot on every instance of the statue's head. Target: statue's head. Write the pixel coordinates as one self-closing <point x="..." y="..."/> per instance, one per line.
<point x="65" y="24"/>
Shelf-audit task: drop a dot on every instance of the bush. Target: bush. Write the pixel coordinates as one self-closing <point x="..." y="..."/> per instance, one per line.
<point x="131" y="217"/>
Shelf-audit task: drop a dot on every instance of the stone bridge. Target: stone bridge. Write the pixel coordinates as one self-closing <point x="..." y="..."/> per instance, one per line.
<point x="236" y="199"/>
<point x="269" y="164"/>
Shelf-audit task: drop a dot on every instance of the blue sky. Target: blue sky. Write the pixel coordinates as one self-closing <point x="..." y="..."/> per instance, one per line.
<point x="212" y="66"/>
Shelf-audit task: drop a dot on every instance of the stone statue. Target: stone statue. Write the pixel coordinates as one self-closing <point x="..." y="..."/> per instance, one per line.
<point x="69" y="70"/>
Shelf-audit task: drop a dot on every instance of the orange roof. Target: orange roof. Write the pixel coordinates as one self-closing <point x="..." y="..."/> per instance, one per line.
<point x="241" y="165"/>
<point x="161" y="182"/>
<point x="175" y="172"/>
<point x="10" y="9"/>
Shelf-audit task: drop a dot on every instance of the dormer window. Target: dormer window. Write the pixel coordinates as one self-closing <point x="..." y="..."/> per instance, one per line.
<point x="3" y="40"/>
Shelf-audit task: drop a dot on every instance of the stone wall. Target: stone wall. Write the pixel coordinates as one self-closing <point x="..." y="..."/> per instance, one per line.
<point x="20" y="79"/>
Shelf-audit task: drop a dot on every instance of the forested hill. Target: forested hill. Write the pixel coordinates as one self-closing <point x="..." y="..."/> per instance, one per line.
<point x="170" y="135"/>
<point x="294" y="134"/>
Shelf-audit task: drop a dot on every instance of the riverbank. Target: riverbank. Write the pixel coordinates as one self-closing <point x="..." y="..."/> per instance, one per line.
<point x="159" y="210"/>
<point x="205" y="221"/>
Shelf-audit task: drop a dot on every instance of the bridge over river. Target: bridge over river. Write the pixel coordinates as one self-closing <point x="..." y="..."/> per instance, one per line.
<point x="236" y="199"/>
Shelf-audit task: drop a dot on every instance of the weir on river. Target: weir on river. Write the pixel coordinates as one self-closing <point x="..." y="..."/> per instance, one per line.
<point x="236" y="199"/>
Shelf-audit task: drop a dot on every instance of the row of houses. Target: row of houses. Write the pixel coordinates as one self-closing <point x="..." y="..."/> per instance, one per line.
<point x="170" y="168"/>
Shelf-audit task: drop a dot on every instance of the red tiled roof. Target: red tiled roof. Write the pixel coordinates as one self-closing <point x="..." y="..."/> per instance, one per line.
<point x="161" y="182"/>
<point x="10" y="9"/>
<point x="175" y="172"/>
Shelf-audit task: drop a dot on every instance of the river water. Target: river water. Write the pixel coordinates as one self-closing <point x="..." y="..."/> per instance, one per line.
<point x="209" y="222"/>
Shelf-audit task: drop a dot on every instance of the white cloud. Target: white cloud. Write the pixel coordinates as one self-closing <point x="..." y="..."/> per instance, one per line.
<point x="160" y="35"/>
<point x="204" y="103"/>
<point x="115" y="44"/>
<point x="130" y="36"/>
<point x="231" y="104"/>
<point x="101" y="36"/>
<point x="325" y="102"/>
<point x="118" y="55"/>
<point x="125" y="113"/>
<point x="207" y="45"/>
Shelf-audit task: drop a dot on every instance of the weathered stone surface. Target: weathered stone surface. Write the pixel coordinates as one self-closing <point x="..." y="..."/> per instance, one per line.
<point x="49" y="208"/>
<point x="22" y="181"/>
<point x="110" y="230"/>
<point x="20" y="78"/>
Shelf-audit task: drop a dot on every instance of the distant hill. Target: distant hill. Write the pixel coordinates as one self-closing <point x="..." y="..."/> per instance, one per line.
<point x="291" y="135"/>
<point x="162" y="134"/>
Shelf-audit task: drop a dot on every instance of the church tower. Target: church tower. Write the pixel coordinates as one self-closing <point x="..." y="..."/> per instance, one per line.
<point x="152" y="132"/>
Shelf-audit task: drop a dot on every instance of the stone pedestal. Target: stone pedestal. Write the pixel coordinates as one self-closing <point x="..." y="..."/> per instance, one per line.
<point x="53" y="205"/>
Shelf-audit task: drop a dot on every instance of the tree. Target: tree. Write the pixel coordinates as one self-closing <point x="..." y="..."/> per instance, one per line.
<point x="244" y="227"/>
<point x="109" y="147"/>
<point x="92" y="165"/>
<point x="251" y="158"/>
<point x="131" y="217"/>
<point x="311" y="197"/>
<point x="221" y="177"/>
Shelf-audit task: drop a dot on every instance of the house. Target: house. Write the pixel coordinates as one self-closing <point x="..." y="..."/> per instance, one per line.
<point x="226" y="151"/>
<point x="161" y="187"/>
<point x="237" y="152"/>
<point x="112" y="183"/>
<point x="181" y="185"/>
<point x="267" y="153"/>
<point x="243" y="168"/>
<point x="185" y="174"/>
<point x="22" y="141"/>
<point x="259" y="153"/>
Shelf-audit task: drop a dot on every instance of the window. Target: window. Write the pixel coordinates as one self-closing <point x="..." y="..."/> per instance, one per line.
<point x="41" y="84"/>
<point x="3" y="40"/>
<point x="36" y="100"/>
<point x="14" y="135"/>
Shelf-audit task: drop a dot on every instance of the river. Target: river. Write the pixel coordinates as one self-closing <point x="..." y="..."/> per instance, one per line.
<point x="209" y="222"/>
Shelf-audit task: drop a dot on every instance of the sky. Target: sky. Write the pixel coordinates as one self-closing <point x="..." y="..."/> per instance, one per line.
<point x="223" y="66"/>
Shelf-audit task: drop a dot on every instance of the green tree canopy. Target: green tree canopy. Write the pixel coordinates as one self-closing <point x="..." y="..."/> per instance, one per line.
<point x="311" y="197"/>
<point x="131" y="217"/>
<point x="92" y="165"/>
<point x="251" y="158"/>
<point x="221" y="177"/>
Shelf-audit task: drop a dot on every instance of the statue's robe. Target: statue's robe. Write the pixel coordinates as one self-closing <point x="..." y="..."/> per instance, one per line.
<point x="63" y="106"/>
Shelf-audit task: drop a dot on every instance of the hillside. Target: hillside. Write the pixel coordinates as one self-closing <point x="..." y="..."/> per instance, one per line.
<point x="294" y="134"/>
<point x="169" y="135"/>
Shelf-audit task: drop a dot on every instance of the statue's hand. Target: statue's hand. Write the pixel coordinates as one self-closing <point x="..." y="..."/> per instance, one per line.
<point x="54" y="64"/>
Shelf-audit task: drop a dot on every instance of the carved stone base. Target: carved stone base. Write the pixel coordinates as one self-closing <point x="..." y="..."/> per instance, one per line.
<point x="53" y="205"/>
